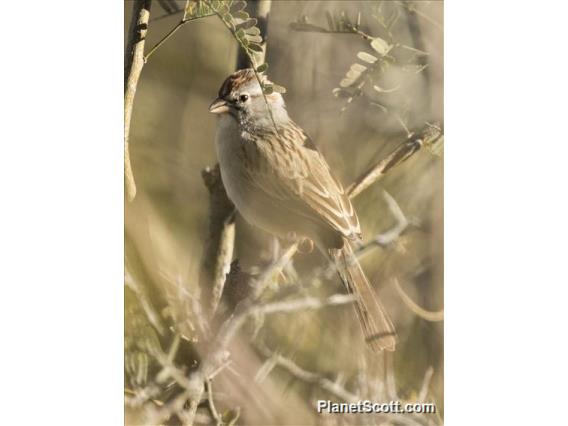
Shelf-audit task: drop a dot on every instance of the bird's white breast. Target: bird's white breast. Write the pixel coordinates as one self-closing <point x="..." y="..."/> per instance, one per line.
<point x="229" y="147"/>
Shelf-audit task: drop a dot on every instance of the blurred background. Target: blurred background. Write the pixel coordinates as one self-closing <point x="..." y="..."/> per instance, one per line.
<point x="167" y="225"/>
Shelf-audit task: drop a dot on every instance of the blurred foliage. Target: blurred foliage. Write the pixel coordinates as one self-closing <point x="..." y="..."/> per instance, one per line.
<point x="172" y="141"/>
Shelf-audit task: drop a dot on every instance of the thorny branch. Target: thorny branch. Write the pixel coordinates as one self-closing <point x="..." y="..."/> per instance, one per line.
<point x="336" y="388"/>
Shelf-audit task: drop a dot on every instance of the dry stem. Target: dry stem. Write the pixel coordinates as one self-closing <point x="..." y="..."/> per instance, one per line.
<point x="133" y="64"/>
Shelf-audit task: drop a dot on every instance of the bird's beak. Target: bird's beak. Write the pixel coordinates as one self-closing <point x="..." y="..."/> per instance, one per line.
<point x="218" y="106"/>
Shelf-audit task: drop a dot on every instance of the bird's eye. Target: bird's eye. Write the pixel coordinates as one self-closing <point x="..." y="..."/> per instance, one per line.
<point x="244" y="98"/>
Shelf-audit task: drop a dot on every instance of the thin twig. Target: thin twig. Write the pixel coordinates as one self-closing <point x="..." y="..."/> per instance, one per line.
<point x="259" y="284"/>
<point x="133" y="64"/>
<point x="390" y="236"/>
<point x="295" y="370"/>
<point x="151" y="313"/>
<point x="400" y="154"/>
<point x="415" y="308"/>
<point x="352" y="29"/>
<point x="305" y="303"/>
<point x="425" y="385"/>
<point x="212" y="408"/>
<point x="357" y="31"/>
<point x="335" y="388"/>
<point x="184" y="20"/>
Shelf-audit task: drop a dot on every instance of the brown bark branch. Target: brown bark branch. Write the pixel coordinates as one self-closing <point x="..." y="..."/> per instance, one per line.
<point x="220" y="242"/>
<point x="133" y="64"/>
<point x="221" y="239"/>
<point x="399" y="155"/>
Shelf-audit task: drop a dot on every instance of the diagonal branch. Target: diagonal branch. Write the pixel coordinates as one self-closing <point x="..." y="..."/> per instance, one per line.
<point x="295" y="370"/>
<point x="184" y="20"/>
<point x="427" y="136"/>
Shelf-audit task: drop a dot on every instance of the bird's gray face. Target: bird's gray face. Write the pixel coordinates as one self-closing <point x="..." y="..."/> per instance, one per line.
<point x="242" y="99"/>
<point x="239" y="104"/>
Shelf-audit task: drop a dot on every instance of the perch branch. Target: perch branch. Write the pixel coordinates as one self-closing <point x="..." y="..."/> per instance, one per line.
<point x="220" y="243"/>
<point x="133" y="64"/>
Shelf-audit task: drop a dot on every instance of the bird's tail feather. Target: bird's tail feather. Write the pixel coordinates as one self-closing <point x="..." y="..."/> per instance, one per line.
<point x="377" y="327"/>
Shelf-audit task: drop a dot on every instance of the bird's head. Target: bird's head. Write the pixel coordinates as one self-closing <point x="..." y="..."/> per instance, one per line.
<point x="241" y="98"/>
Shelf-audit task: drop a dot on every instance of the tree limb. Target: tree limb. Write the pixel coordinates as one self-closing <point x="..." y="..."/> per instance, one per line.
<point x="427" y="136"/>
<point x="220" y="242"/>
<point x="133" y="64"/>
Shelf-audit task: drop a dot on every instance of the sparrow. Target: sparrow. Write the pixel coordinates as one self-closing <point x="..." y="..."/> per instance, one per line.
<point x="280" y="182"/>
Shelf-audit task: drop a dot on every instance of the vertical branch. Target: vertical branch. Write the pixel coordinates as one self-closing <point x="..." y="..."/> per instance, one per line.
<point x="221" y="239"/>
<point x="133" y="63"/>
<point x="220" y="242"/>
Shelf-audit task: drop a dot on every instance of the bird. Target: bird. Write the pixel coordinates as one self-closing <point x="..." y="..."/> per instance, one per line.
<point x="280" y="182"/>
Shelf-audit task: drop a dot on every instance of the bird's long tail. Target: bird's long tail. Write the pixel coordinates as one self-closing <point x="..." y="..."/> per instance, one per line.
<point x="377" y="327"/>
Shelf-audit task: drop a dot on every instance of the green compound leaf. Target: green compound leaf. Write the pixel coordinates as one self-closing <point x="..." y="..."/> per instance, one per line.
<point x="364" y="56"/>
<point x="380" y="46"/>
<point x="262" y="68"/>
